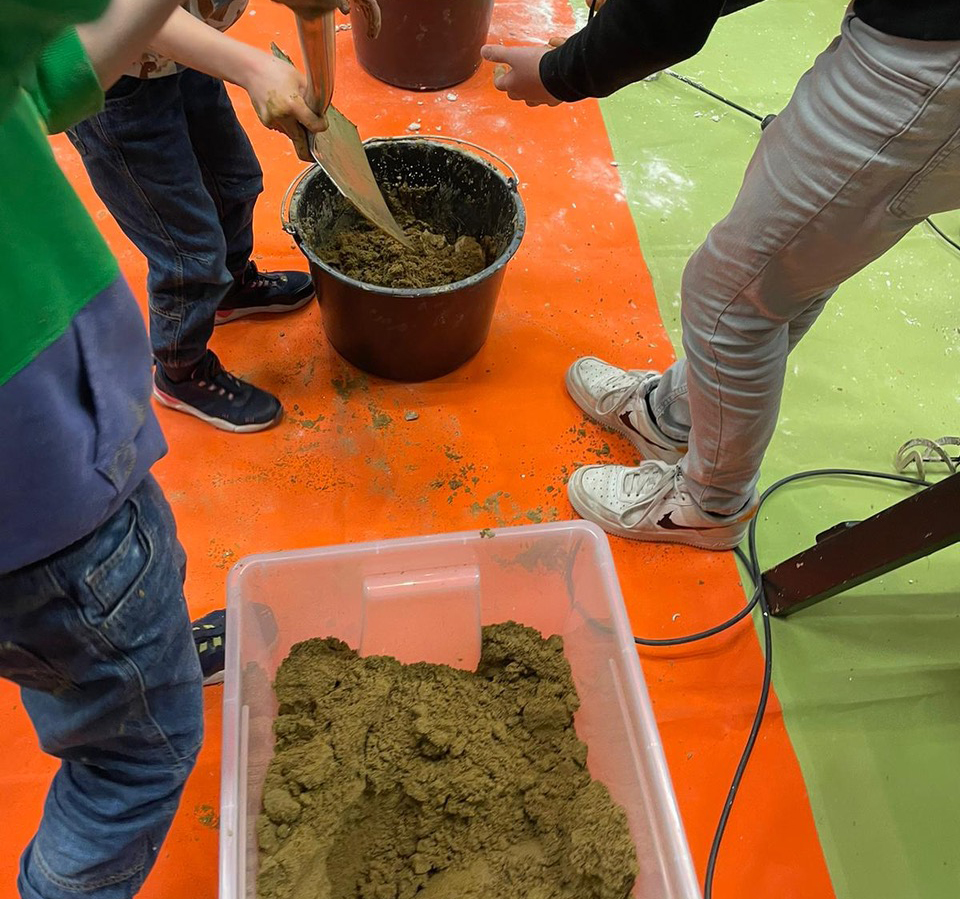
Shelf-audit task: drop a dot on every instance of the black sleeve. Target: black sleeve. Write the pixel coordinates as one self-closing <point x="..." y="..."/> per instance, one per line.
<point x="626" y="41"/>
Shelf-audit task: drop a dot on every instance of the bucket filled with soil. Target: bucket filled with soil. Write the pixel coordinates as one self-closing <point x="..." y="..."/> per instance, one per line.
<point x="424" y="45"/>
<point x="419" y="312"/>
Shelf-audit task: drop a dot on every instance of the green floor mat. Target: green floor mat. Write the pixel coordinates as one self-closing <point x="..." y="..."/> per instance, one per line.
<point x="870" y="681"/>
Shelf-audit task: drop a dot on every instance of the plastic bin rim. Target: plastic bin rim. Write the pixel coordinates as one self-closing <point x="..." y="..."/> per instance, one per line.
<point x="375" y="546"/>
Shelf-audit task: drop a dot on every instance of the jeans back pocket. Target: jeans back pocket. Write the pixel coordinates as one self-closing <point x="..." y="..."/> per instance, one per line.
<point x="31" y="672"/>
<point x="128" y="552"/>
<point x="935" y="188"/>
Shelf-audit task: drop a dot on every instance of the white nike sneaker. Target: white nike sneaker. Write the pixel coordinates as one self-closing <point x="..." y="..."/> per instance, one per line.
<point x="651" y="503"/>
<point x="617" y="399"/>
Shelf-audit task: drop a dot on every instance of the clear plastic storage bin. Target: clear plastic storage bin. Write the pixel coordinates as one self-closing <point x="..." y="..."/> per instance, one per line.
<point x="425" y="599"/>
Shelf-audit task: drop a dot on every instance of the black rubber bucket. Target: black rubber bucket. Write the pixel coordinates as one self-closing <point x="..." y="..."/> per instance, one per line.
<point x="414" y="334"/>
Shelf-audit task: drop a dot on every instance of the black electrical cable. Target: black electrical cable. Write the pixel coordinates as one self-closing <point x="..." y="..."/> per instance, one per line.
<point x="938" y="230"/>
<point x="751" y="562"/>
<point x="751" y="737"/>
<point x="705" y="90"/>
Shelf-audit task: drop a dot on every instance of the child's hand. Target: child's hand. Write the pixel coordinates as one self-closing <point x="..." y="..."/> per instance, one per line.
<point x="277" y="92"/>
<point x="522" y="80"/>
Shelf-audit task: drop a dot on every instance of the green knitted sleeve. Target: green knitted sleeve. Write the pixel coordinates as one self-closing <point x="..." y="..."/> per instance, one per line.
<point x="66" y="89"/>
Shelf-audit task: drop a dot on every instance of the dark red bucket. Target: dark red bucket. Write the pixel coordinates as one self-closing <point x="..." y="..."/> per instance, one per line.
<point x="424" y="44"/>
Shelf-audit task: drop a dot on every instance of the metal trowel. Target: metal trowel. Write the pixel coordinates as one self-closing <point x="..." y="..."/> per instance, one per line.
<point x="339" y="150"/>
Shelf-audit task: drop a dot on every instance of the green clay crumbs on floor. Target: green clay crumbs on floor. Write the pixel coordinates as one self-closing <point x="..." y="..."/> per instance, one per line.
<point x="394" y="781"/>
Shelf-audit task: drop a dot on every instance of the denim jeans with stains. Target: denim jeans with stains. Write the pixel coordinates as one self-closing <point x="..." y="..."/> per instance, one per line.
<point x="169" y="159"/>
<point x="98" y="639"/>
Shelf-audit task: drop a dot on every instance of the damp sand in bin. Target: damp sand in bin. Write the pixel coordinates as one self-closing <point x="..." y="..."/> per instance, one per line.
<point x="363" y="252"/>
<point x="394" y="781"/>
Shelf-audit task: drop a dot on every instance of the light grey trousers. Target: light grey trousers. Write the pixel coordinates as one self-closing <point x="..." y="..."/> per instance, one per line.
<point x="867" y="147"/>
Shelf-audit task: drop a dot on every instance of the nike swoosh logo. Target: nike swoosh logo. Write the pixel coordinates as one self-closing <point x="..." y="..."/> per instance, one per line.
<point x="625" y="418"/>
<point x="668" y="524"/>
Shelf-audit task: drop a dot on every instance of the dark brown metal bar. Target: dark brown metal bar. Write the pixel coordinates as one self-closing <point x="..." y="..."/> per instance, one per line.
<point x="909" y="530"/>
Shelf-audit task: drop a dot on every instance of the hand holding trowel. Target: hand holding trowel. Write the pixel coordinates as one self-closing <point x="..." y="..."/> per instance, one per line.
<point x="338" y="149"/>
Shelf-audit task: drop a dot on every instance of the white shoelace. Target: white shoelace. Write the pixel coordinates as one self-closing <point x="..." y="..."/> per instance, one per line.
<point x="619" y="389"/>
<point x="646" y="485"/>
<point x="216" y="370"/>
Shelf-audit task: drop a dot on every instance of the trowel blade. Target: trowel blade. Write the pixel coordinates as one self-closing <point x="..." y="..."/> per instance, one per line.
<point x="339" y="152"/>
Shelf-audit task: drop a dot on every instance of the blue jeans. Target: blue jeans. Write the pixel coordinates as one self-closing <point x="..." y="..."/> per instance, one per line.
<point x="99" y="641"/>
<point x="175" y="168"/>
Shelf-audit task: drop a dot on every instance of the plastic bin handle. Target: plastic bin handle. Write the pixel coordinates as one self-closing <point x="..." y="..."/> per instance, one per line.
<point x="511" y="171"/>
<point x="285" y="222"/>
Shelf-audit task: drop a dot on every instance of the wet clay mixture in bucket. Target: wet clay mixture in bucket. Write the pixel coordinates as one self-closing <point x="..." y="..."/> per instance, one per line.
<point x="395" y="781"/>
<point x="363" y="252"/>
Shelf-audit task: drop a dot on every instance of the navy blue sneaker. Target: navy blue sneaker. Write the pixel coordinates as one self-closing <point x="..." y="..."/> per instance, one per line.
<point x="210" y="637"/>
<point x="213" y="395"/>
<point x="258" y="293"/>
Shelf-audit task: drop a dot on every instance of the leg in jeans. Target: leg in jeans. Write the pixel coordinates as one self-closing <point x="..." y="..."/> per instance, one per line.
<point x="671" y="408"/>
<point x="868" y="145"/>
<point x="141" y="161"/>
<point x="99" y="641"/>
<point x="234" y="180"/>
<point x="192" y="221"/>
<point x="231" y="172"/>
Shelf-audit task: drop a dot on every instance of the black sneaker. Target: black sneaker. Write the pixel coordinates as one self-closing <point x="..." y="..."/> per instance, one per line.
<point x="215" y="396"/>
<point x="210" y="638"/>
<point x="259" y="292"/>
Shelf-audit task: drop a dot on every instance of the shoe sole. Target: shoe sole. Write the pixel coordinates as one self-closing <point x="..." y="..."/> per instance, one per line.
<point x="219" y="423"/>
<point x="638" y="441"/>
<point x="276" y="309"/>
<point x="685" y="538"/>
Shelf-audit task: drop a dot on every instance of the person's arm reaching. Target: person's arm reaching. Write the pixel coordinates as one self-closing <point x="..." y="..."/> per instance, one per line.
<point x="66" y="79"/>
<point x="625" y="41"/>
<point x="115" y="40"/>
<point x="276" y="88"/>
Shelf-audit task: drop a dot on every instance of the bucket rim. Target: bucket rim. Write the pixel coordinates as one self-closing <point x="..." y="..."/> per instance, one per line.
<point x="299" y="183"/>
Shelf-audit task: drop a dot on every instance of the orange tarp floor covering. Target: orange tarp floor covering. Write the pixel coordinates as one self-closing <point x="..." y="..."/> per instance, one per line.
<point x="492" y="446"/>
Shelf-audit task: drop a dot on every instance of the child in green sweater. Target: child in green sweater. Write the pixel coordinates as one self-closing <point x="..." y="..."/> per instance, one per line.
<point x="93" y="624"/>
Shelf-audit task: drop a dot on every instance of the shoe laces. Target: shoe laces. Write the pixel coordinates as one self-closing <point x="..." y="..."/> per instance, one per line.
<point x="620" y="390"/>
<point x="646" y="480"/>
<point x="648" y="484"/>
<point x="254" y="279"/>
<point x="212" y="376"/>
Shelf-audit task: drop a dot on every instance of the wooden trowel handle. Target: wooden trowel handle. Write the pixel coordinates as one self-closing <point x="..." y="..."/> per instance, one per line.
<point x="318" y="42"/>
<point x="302" y="146"/>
